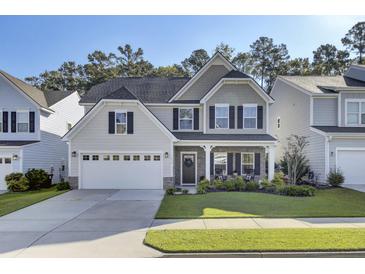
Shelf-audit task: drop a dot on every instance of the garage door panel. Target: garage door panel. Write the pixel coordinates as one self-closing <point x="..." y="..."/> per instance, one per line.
<point x="122" y="174"/>
<point x="351" y="163"/>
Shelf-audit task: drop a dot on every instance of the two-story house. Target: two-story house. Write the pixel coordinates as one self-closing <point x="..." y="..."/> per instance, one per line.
<point x="330" y="111"/>
<point x="150" y="133"/>
<point x="32" y="123"/>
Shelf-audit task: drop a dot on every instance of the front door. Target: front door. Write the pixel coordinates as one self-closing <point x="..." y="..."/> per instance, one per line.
<point x="188" y="169"/>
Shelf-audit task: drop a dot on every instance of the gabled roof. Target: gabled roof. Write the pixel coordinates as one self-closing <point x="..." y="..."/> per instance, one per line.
<point x="322" y="84"/>
<point x="236" y="74"/>
<point x="54" y="96"/>
<point x="121" y="93"/>
<point x="147" y="89"/>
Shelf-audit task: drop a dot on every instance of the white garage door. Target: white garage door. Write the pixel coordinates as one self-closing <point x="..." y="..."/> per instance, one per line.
<point x="5" y="169"/>
<point x="351" y="163"/>
<point x="121" y="171"/>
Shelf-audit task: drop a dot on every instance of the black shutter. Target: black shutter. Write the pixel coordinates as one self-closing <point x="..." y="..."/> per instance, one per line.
<point x="13" y="121"/>
<point x="257" y="164"/>
<point x="175" y="119"/>
<point x="130" y="123"/>
<point x="240" y="117"/>
<point x="238" y="163"/>
<point x="212" y="117"/>
<point x="196" y="118"/>
<point x="5" y="121"/>
<point x="231" y="116"/>
<point x="211" y="164"/>
<point x="260" y="116"/>
<point x="229" y="163"/>
<point x="111" y="122"/>
<point x="31" y="121"/>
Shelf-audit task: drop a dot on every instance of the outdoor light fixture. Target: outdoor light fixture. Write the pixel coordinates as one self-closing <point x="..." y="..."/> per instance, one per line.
<point x="73" y="153"/>
<point x="15" y="157"/>
<point x="166" y="155"/>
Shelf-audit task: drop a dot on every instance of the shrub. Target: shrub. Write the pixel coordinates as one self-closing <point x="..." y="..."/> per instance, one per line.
<point x="230" y="185"/>
<point x="267" y="186"/>
<point x="298" y="191"/>
<point x="335" y="178"/>
<point x="219" y="185"/>
<point x="252" y="186"/>
<point x="278" y="179"/>
<point x="38" y="178"/>
<point x="13" y="176"/>
<point x="203" y="187"/>
<point x="170" y="191"/>
<point x="63" y="186"/>
<point x="240" y="184"/>
<point x="18" y="185"/>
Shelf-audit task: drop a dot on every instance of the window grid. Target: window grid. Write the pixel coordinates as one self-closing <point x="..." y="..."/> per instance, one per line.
<point x="222" y="116"/>
<point x="22" y="120"/>
<point x="220" y="163"/>
<point x="356" y="114"/>
<point x="250" y="116"/>
<point x="186" y="118"/>
<point x="247" y="162"/>
<point x="121" y="122"/>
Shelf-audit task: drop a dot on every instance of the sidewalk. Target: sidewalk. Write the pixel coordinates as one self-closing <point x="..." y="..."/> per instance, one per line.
<point x="258" y="223"/>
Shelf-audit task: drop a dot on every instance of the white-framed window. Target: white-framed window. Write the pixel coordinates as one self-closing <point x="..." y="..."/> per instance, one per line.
<point x="220" y="163"/>
<point x="115" y="157"/>
<point x="126" y="157"/>
<point x="106" y="157"/>
<point x="156" y="157"/>
<point x="248" y="162"/>
<point x="147" y="157"/>
<point x="250" y="116"/>
<point x="7" y="160"/>
<point x="121" y="122"/>
<point x="1" y="121"/>
<point x="85" y="157"/>
<point x="22" y="121"/>
<point x="136" y="157"/>
<point x="278" y="122"/>
<point x="95" y="157"/>
<point x="355" y="112"/>
<point x="221" y="116"/>
<point x="186" y="118"/>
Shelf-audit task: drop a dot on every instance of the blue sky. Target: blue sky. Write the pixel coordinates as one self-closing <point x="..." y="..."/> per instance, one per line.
<point x="31" y="44"/>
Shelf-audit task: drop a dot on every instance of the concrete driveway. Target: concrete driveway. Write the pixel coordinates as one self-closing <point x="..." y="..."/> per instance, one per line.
<point x="82" y="223"/>
<point x="358" y="187"/>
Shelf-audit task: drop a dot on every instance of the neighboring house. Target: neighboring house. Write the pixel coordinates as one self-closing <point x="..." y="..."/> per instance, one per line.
<point x="330" y="111"/>
<point x="32" y="123"/>
<point x="150" y="133"/>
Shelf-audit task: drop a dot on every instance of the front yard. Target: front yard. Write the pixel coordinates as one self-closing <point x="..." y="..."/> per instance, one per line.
<point x="251" y="240"/>
<point x="10" y="202"/>
<point x="335" y="202"/>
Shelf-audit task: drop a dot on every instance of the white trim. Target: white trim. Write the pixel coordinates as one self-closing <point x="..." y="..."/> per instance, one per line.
<point x="204" y="119"/>
<point x="326" y="156"/>
<point x="237" y="81"/>
<point x="339" y="106"/>
<point x="181" y="167"/>
<point x="197" y="75"/>
<point x="346" y="149"/>
<point x="225" y="143"/>
<point x="69" y="159"/>
<point x="220" y="152"/>
<point x="253" y="159"/>
<point x="360" y="101"/>
<point x="126" y="122"/>
<point x="243" y="116"/>
<point x="311" y="111"/>
<point x="320" y="132"/>
<point x="215" y="116"/>
<point x="267" y="117"/>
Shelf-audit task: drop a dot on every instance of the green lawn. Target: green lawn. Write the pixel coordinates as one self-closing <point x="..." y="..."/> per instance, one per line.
<point x="335" y="202"/>
<point x="250" y="240"/>
<point x="10" y="202"/>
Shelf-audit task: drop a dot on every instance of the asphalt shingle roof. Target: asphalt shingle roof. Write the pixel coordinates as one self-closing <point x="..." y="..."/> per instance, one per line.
<point x="223" y="137"/>
<point x="121" y="93"/>
<point x="236" y="74"/>
<point x="335" y="129"/>
<point x="54" y="96"/>
<point x="16" y="143"/>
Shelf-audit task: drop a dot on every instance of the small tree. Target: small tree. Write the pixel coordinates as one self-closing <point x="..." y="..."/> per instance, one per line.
<point x="295" y="158"/>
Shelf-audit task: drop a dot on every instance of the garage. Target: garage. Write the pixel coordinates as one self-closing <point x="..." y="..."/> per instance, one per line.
<point x="121" y="171"/>
<point x="351" y="163"/>
<point x="5" y="169"/>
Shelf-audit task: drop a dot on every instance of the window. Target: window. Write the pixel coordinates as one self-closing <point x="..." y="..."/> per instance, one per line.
<point x="95" y="157"/>
<point x="221" y="116"/>
<point x="278" y="121"/>
<point x="135" y="157"/>
<point x="7" y="160"/>
<point x="1" y="160"/>
<point x="249" y="116"/>
<point x="22" y="118"/>
<point x="248" y="164"/>
<point x="115" y="157"/>
<point x="185" y="118"/>
<point x="147" y="157"/>
<point x="1" y="122"/>
<point x="106" y="157"/>
<point x="85" y="157"/>
<point x="156" y="157"/>
<point x="355" y="113"/>
<point x="127" y="157"/>
<point x="121" y="122"/>
<point x="220" y="163"/>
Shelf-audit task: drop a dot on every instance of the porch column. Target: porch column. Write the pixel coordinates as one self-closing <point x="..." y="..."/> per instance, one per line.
<point x="207" y="149"/>
<point x="271" y="160"/>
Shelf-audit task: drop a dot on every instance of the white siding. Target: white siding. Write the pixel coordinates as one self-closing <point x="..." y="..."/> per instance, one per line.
<point x="147" y="137"/>
<point x="235" y="95"/>
<point x="325" y="111"/>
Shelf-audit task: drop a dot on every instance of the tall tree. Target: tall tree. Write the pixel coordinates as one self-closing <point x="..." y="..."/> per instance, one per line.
<point x="328" y="60"/>
<point x="73" y="76"/>
<point x="169" y="71"/>
<point x="195" y="61"/>
<point x="132" y="63"/>
<point x="299" y="66"/>
<point x="354" y="40"/>
<point x="243" y="62"/>
<point x="225" y="50"/>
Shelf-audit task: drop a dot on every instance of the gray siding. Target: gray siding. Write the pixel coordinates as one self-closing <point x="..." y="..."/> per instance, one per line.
<point x="293" y="106"/>
<point x="235" y="95"/>
<point x="344" y="96"/>
<point x="205" y="83"/>
<point x="325" y="111"/>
